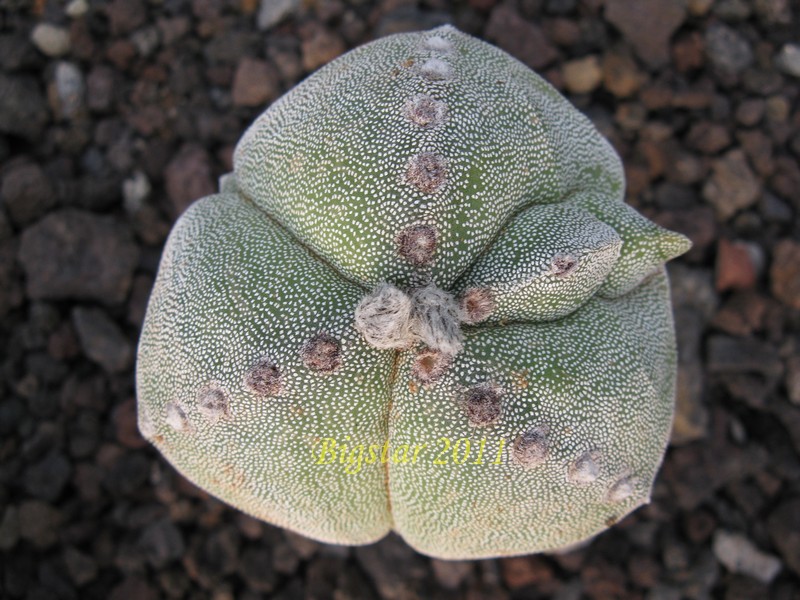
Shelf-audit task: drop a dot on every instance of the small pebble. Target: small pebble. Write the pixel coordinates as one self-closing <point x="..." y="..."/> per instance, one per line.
<point x="102" y="340"/>
<point x="77" y="8"/>
<point x="135" y="190"/>
<point x="272" y="12"/>
<point x="788" y="59"/>
<point x="255" y="83"/>
<point x="727" y="49"/>
<point x="70" y="90"/>
<point x="51" y="40"/>
<point x="583" y="75"/>
<point x="740" y="555"/>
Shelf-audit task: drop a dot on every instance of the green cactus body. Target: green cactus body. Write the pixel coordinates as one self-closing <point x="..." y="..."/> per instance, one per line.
<point x="418" y="304"/>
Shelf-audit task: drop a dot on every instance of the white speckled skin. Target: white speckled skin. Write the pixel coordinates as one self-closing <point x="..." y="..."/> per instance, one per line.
<point x="491" y="181"/>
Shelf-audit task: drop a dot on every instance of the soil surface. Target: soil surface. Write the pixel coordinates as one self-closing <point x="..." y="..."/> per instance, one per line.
<point x="114" y="116"/>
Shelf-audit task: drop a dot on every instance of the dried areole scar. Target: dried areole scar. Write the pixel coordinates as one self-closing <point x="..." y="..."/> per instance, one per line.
<point x="563" y="265"/>
<point x="585" y="469"/>
<point x="213" y="403"/>
<point x="176" y="418"/>
<point x="622" y="489"/>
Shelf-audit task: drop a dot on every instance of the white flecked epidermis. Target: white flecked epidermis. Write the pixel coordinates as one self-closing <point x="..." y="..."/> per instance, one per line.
<point x="422" y="246"/>
<point x="335" y="159"/>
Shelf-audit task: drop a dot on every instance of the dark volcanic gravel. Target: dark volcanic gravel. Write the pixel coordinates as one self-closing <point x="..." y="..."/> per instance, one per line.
<point x="115" y="115"/>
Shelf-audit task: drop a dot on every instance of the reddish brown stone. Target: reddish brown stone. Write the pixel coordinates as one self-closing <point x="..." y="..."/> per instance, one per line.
<point x="125" y="425"/>
<point x="688" y="53"/>
<point x="521" y="571"/>
<point x="121" y="53"/>
<point x="255" y="83"/>
<point x="786" y="180"/>
<point x="647" y="25"/>
<point x="758" y="148"/>
<point x="63" y="343"/>
<point x="483" y="4"/>
<point x="563" y="32"/>
<point x="656" y="97"/>
<point x="785" y="273"/>
<point x="693" y="98"/>
<point x="750" y="111"/>
<point x="134" y="588"/>
<point x="602" y="580"/>
<point x="520" y="38"/>
<point x="126" y="15"/>
<point x="621" y="76"/>
<point x="320" y="46"/>
<point x="26" y="192"/>
<point x="77" y="254"/>
<point x="743" y="314"/>
<point x="644" y="570"/>
<point x="708" y="137"/>
<point x="735" y="268"/>
<point x="188" y="177"/>
<point x="793" y="379"/>
<point x="733" y="185"/>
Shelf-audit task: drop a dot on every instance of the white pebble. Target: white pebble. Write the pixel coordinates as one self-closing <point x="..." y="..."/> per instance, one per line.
<point x="50" y="39"/>
<point x="739" y="555"/>
<point x="70" y="89"/>
<point x="77" y="8"/>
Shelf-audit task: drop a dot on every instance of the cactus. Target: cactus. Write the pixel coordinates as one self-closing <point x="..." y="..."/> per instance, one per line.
<point x="418" y="304"/>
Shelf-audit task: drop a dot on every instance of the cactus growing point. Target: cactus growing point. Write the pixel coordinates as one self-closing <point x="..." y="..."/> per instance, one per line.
<point x="419" y="304"/>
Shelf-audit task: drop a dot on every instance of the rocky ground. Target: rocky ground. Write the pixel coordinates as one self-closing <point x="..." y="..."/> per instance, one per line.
<point x="114" y="116"/>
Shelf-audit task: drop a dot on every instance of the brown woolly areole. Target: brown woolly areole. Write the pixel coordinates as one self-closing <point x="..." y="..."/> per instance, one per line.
<point x="425" y="111"/>
<point x="429" y="366"/>
<point x="477" y="304"/>
<point x="264" y="378"/>
<point x="427" y="172"/>
<point x="482" y="404"/>
<point x="531" y="448"/>
<point x="322" y="353"/>
<point x="417" y="244"/>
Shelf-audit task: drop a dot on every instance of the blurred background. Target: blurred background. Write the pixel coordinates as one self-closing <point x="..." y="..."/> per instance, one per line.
<point x="115" y="115"/>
